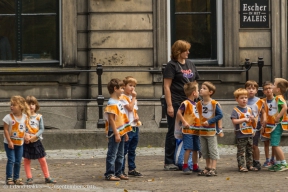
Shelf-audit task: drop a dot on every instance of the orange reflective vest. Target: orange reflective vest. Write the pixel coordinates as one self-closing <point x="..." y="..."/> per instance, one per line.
<point x="191" y="116"/>
<point x="121" y="119"/>
<point x="32" y="125"/>
<point x="17" y="132"/>
<point x="245" y="127"/>
<point x="207" y="112"/>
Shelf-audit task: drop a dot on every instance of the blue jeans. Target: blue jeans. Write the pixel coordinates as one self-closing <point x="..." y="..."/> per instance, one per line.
<point x="130" y="148"/>
<point x="115" y="156"/>
<point x="14" y="157"/>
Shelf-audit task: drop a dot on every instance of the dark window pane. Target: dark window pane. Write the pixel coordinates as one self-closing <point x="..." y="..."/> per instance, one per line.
<point x="7" y="7"/>
<point x="192" y="5"/>
<point x="40" y="6"/>
<point x="196" y="30"/>
<point x="40" y="38"/>
<point x="7" y="38"/>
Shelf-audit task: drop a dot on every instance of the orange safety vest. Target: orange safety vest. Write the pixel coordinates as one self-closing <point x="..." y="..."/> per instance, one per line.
<point x="207" y="112"/>
<point x="17" y="132"/>
<point x="191" y="116"/>
<point x="245" y="127"/>
<point x="256" y="107"/>
<point x="134" y="112"/>
<point x="32" y="126"/>
<point x="121" y="119"/>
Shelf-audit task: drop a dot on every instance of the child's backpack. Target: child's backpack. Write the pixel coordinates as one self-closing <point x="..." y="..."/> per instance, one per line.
<point x="179" y="155"/>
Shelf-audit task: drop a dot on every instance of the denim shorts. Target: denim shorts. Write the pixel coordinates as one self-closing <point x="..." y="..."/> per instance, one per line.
<point x="276" y="136"/>
<point x="191" y="142"/>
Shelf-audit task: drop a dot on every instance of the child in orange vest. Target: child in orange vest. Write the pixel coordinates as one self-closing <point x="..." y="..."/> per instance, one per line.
<point x="269" y="123"/>
<point x="210" y="113"/>
<point x="117" y="126"/>
<point x="188" y="115"/>
<point x="244" y="122"/>
<point x="33" y="148"/>
<point x="14" y="133"/>
<point x="280" y="108"/>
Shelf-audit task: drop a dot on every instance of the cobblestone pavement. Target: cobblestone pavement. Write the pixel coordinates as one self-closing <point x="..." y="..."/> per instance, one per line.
<point x="82" y="170"/>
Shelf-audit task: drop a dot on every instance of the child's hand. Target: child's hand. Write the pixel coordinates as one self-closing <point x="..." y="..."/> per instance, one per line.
<point x="252" y="118"/>
<point x="33" y="139"/>
<point x="136" y="119"/>
<point x="185" y="124"/>
<point x="117" y="138"/>
<point x="206" y="123"/>
<point x="27" y="138"/>
<point x="277" y="119"/>
<point x="262" y="130"/>
<point x="126" y="137"/>
<point x="10" y="145"/>
<point x="247" y="120"/>
<point x="134" y="94"/>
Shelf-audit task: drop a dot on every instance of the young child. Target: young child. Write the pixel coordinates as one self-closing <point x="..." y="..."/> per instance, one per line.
<point x="210" y="113"/>
<point x="188" y="115"/>
<point x="33" y="148"/>
<point x="129" y="101"/>
<point x="269" y="121"/>
<point x="256" y="104"/>
<point x="117" y="126"/>
<point x="14" y="133"/>
<point x="244" y="122"/>
<point x="279" y="107"/>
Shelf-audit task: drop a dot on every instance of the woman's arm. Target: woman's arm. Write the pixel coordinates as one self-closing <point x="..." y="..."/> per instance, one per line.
<point x="167" y="92"/>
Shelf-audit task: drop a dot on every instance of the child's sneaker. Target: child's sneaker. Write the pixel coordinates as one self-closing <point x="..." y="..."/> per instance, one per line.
<point x="50" y="180"/>
<point x="29" y="181"/>
<point x="257" y="164"/>
<point x="281" y="167"/>
<point x="266" y="164"/>
<point x="135" y="173"/>
<point x="272" y="167"/>
<point x="171" y="167"/>
<point x="272" y="162"/>
<point x="197" y="170"/>
<point x="186" y="171"/>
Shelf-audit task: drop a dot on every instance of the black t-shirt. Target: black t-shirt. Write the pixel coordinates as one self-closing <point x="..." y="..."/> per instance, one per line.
<point x="179" y="77"/>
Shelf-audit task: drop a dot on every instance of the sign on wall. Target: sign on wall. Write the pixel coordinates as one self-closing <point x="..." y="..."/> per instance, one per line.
<point x="254" y="13"/>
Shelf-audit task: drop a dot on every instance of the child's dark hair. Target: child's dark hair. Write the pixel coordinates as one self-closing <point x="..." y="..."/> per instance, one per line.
<point x="190" y="87"/>
<point x="282" y="84"/>
<point x="210" y="87"/>
<point x="33" y="100"/>
<point x="266" y="83"/>
<point x="251" y="83"/>
<point x="114" y="83"/>
<point x="129" y="79"/>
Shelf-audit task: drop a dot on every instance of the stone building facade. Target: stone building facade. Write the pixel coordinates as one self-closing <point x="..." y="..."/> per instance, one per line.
<point x="136" y="35"/>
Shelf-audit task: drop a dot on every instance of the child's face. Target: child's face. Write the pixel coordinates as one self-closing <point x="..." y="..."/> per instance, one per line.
<point x="129" y="88"/>
<point x="32" y="107"/>
<point x="15" y="108"/>
<point x="275" y="90"/>
<point x="196" y="93"/>
<point x="267" y="90"/>
<point x="251" y="91"/>
<point x="204" y="91"/>
<point x="119" y="91"/>
<point x="242" y="100"/>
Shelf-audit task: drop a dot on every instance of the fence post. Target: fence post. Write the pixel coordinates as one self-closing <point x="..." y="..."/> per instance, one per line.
<point x="247" y="66"/>
<point x="100" y="97"/>
<point x="260" y="65"/>
<point x="163" y="121"/>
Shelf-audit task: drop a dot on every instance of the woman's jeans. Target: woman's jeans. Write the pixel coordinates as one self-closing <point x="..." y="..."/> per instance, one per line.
<point x="14" y="157"/>
<point x="170" y="143"/>
<point x="115" y="156"/>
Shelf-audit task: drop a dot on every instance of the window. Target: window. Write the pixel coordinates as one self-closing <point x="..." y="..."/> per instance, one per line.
<point x="196" y="22"/>
<point x="29" y="31"/>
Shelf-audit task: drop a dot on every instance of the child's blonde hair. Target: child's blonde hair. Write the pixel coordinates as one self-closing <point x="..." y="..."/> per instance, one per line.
<point x="18" y="100"/>
<point x="239" y="92"/>
<point x="190" y="87"/>
<point x="282" y="84"/>
<point x="33" y="100"/>
<point x="129" y="79"/>
<point x="210" y="86"/>
<point x="251" y="83"/>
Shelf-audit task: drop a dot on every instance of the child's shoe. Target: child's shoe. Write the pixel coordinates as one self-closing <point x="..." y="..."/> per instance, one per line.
<point x="197" y="170"/>
<point x="135" y="173"/>
<point x="266" y="164"/>
<point x="29" y="181"/>
<point x="50" y="180"/>
<point x="171" y="167"/>
<point x="186" y="171"/>
<point x="272" y="162"/>
<point x="257" y="164"/>
<point x="281" y="167"/>
<point x="18" y="182"/>
<point x="123" y="177"/>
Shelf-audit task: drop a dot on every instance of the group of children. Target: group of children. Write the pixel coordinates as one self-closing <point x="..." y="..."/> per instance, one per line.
<point x="23" y="129"/>
<point x="198" y="124"/>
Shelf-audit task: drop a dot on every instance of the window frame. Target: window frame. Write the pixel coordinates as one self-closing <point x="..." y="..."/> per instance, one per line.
<point x="18" y="27"/>
<point x="217" y="41"/>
